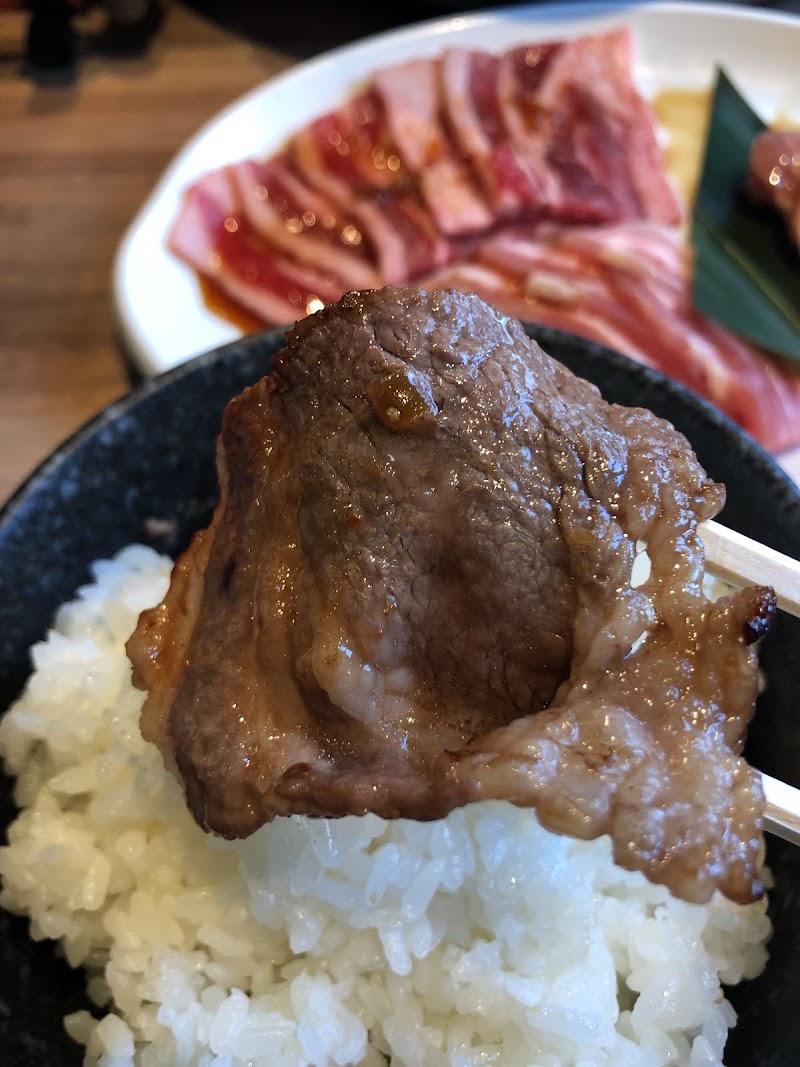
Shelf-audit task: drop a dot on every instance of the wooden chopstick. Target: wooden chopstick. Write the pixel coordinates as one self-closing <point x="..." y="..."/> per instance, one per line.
<point x="782" y="814"/>
<point x="741" y="561"/>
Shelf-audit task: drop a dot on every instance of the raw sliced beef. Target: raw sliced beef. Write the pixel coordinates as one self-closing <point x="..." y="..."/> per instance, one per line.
<point x="302" y="223"/>
<point x="533" y="178"/>
<point x="412" y="101"/>
<point x="214" y="237"/>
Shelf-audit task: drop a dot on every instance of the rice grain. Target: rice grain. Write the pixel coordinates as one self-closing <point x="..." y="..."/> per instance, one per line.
<point x="477" y="940"/>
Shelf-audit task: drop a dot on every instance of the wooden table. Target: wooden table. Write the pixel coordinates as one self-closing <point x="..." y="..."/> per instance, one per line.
<point x="75" y="165"/>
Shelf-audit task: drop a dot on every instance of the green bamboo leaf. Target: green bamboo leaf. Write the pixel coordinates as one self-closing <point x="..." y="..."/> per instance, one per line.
<point x="747" y="273"/>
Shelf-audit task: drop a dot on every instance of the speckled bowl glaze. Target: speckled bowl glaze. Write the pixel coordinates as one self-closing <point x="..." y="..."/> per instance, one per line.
<point x="144" y="471"/>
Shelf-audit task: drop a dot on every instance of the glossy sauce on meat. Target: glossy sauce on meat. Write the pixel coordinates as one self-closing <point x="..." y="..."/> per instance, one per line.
<point x="416" y="593"/>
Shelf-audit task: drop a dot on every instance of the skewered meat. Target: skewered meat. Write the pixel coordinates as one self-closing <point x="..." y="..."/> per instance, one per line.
<point x="416" y="592"/>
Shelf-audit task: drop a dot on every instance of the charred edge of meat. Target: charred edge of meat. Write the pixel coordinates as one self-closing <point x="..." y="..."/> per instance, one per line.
<point x="765" y="608"/>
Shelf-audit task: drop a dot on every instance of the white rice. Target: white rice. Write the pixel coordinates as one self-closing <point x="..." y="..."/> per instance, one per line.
<point x="481" y="939"/>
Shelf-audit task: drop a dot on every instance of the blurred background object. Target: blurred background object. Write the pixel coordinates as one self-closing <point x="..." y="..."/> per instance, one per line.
<point x="311" y="26"/>
<point x="77" y="159"/>
<point x="62" y="32"/>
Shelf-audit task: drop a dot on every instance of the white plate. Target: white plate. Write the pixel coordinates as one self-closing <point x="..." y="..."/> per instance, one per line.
<point x="158" y="303"/>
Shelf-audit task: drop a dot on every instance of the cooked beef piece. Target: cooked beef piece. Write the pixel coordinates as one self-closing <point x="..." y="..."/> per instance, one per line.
<point x="416" y="592"/>
<point x="774" y="175"/>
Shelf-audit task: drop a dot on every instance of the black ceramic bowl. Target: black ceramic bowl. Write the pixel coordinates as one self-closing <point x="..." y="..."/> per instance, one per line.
<point x="144" y="471"/>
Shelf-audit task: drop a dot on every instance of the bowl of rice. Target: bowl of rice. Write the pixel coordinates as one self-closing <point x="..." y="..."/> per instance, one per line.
<point x="128" y="936"/>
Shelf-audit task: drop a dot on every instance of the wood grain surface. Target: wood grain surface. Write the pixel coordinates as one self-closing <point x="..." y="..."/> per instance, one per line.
<point x="75" y="165"/>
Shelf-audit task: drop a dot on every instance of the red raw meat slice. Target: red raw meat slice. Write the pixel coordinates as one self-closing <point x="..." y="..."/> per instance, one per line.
<point x="289" y="214"/>
<point x="381" y="191"/>
<point x="728" y="370"/>
<point x="520" y="74"/>
<point x="214" y="238"/>
<point x="773" y="176"/>
<point x="412" y="101"/>
<point x="595" y="182"/>
<point x="772" y="407"/>
<point x="349" y="157"/>
<point x="552" y="277"/>
<point x="513" y="182"/>
<point x="574" y="107"/>
<point x="322" y="157"/>
<point x="604" y="71"/>
<point x="633" y="246"/>
<point x="497" y="288"/>
<point x="354" y="150"/>
<point x="425" y="249"/>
